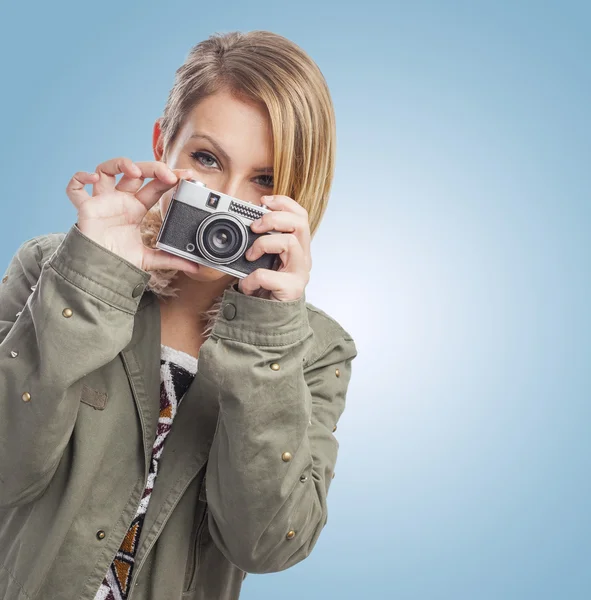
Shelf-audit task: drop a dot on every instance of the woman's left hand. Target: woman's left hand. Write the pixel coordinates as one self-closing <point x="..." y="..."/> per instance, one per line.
<point x="292" y="245"/>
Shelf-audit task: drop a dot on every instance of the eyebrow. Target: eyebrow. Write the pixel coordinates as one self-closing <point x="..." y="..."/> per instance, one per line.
<point x="224" y="154"/>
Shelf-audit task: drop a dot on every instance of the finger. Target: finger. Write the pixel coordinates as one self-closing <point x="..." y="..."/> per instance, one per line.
<point x="152" y="192"/>
<point x="131" y="183"/>
<point x="286" y="222"/>
<point x="185" y="173"/>
<point x="75" y="189"/>
<point x="156" y="169"/>
<point x="286" y="245"/>
<point x="284" y="286"/>
<point x="163" y="180"/>
<point x="284" y="203"/>
<point x="108" y="172"/>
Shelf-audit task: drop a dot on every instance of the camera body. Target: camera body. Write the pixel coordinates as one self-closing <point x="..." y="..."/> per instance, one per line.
<point x="212" y="229"/>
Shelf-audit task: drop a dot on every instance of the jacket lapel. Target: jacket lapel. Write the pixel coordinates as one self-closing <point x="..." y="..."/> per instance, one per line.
<point x="187" y="445"/>
<point x="141" y="359"/>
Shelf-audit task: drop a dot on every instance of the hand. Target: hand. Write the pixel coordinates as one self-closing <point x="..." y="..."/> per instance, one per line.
<point x="112" y="215"/>
<point x="292" y="245"/>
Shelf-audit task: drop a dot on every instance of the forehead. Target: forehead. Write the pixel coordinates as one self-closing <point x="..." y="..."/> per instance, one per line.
<point x="238" y="125"/>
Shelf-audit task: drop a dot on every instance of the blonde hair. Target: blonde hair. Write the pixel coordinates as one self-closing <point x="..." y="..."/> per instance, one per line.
<point x="270" y="69"/>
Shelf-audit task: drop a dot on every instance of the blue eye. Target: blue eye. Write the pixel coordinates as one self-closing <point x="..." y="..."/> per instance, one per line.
<point x="209" y="161"/>
<point x="204" y="158"/>
<point x="267" y="181"/>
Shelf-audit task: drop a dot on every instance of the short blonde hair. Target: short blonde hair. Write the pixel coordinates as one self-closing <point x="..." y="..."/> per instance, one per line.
<point x="270" y="69"/>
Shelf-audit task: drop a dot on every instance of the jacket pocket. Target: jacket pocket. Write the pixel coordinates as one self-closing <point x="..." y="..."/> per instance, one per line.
<point x="92" y="397"/>
<point x="193" y="559"/>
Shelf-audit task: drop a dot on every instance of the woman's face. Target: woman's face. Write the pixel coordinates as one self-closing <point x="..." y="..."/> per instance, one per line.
<point x="228" y="142"/>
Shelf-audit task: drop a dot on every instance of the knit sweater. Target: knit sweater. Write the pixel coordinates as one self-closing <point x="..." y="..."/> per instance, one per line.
<point x="177" y="370"/>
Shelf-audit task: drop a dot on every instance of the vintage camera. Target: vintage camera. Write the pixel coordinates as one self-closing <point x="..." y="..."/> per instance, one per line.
<point x="213" y="229"/>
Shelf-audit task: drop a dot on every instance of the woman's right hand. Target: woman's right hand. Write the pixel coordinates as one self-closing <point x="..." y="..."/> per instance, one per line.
<point x="112" y="215"/>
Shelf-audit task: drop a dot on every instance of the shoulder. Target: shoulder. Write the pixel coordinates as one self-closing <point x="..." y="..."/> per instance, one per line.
<point x="322" y="322"/>
<point x="328" y="334"/>
<point x="40" y="247"/>
<point x="30" y="256"/>
<point x="48" y="244"/>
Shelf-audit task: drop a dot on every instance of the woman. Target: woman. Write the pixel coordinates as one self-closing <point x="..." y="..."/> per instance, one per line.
<point x="125" y="471"/>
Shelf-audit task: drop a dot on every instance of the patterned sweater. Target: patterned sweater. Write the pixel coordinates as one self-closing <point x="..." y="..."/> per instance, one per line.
<point x="177" y="370"/>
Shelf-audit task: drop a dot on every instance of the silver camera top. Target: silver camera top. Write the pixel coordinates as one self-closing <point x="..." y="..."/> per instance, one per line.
<point x="197" y="194"/>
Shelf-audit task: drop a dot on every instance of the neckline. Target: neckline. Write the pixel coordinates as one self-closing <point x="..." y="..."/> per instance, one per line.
<point x="184" y="359"/>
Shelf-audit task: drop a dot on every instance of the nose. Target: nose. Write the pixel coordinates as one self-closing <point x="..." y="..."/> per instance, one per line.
<point x="231" y="187"/>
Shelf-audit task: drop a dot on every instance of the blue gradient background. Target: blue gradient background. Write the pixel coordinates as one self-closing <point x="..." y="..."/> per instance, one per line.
<point x="455" y="249"/>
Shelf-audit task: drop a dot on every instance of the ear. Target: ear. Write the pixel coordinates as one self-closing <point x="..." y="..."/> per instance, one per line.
<point x="157" y="140"/>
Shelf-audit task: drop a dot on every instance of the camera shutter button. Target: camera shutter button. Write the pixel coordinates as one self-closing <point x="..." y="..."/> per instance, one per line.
<point x="229" y="311"/>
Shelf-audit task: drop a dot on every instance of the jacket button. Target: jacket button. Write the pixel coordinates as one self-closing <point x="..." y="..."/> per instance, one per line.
<point x="137" y="290"/>
<point x="333" y="476"/>
<point x="337" y="373"/>
<point x="26" y="397"/>
<point x="100" y="534"/>
<point x="286" y="456"/>
<point x="303" y="478"/>
<point x="14" y="353"/>
<point x="290" y="534"/>
<point x="229" y="311"/>
<point x="274" y="367"/>
<point x="67" y="312"/>
<point x="5" y="279"/>
<point x="334" y="428"/>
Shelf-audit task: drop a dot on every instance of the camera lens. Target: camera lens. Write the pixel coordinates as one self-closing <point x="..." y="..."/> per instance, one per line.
<point x="222" y="238"/>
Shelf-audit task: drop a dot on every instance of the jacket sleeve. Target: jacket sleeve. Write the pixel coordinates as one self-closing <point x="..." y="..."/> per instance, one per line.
<point x="58" y="321"/>
<point x="274" y="452"/>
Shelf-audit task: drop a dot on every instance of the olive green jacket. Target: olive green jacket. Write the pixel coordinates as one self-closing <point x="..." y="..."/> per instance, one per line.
<point x="245" y="471"/>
